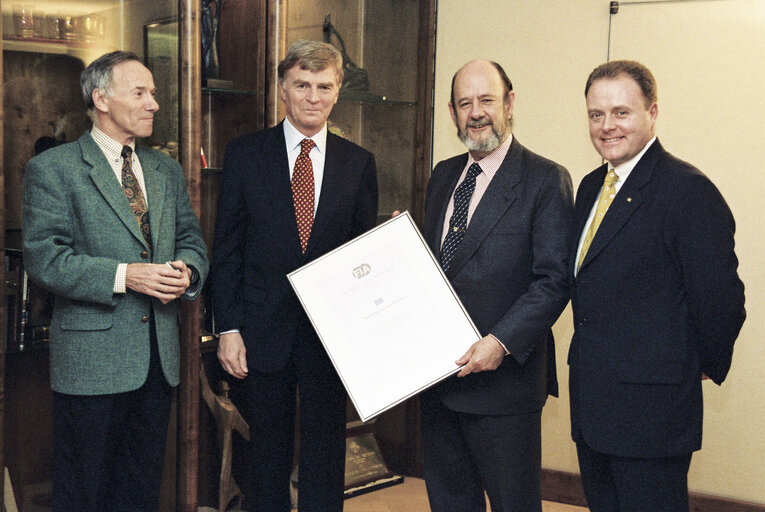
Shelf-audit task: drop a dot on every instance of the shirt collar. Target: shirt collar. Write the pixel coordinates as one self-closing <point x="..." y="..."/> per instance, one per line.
<point x="624" y="169"/>
<point x="491" y="163"/>
<point x="111" y="147"/>
<point x="293" y="137"/>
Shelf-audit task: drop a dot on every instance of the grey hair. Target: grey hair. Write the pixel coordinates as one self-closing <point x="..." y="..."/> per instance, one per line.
<point x="98" y="75"/>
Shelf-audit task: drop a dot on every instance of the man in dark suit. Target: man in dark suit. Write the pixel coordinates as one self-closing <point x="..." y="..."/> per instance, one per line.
<point x="270" y="223"/>
<point x="497" y="217"/>
<point x="102" y="216"/>
<point x="657" y="302"/>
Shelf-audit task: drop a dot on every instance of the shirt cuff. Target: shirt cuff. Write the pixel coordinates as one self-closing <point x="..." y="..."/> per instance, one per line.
<point x="507" y="352"/>
<point x="229" y="332"/>
<point x="119" y="279"/>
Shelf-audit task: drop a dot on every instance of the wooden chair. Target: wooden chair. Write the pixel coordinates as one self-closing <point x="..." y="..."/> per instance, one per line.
<point x="227" y="420"/>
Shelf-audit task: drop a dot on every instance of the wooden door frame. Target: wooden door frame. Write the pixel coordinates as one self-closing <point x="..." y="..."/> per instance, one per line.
<point x="189" y="129"/>
<point x="2" y="280"/>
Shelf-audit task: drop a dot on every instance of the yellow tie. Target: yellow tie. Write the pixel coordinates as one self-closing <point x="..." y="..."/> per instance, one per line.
<point x="606" y="198"/>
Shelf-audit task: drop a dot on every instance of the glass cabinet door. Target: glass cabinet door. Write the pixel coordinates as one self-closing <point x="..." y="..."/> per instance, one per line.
<point x="385" y="59"/>
<point x="46" y="44"/>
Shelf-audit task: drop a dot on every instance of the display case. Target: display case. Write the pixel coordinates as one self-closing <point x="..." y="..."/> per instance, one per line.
<point x="46" y="45"/>
<point x="385" y="104"/>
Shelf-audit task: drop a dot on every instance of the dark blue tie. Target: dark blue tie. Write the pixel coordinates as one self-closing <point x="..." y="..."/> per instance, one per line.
<point x="458" y="222"/>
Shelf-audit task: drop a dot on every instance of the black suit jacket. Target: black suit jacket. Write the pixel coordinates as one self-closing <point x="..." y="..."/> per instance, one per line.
<point x="510" y="272"/>
<point x="256" y="241"/>
<point x="656" y="301"/>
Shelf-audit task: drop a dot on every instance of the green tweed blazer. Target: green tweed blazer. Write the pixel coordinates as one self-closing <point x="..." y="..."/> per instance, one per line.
<point x="77" y="227"/>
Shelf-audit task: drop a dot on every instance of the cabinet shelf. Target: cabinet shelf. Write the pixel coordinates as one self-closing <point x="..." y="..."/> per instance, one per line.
<point x="365" y="98"/>
<point x="51" y="46"/>
<point x="239" y="92"/>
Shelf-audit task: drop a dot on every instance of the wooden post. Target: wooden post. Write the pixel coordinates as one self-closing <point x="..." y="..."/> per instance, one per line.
<point x="190" y="123"/>
<point x="2" y="284"/>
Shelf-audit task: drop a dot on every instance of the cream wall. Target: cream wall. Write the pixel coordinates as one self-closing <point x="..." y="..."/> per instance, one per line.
<point x="548" y="48"/>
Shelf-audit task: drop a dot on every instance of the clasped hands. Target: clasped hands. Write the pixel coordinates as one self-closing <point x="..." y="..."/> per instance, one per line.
<point x="159" y="280"/>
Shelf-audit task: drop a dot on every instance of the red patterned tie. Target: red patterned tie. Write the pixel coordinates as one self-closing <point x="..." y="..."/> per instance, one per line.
<point x="303" y="192"/>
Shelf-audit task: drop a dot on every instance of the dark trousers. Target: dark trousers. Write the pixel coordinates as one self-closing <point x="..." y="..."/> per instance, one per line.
<point x="108" y="450"/>
<point x="626" y="484"/>
<point x="465" y="454"/>
<point x="271" y="416"/>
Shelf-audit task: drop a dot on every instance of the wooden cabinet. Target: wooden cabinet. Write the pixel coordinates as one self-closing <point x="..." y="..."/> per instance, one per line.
<point x="392" y="40"/>
<point x="42" y="94"/>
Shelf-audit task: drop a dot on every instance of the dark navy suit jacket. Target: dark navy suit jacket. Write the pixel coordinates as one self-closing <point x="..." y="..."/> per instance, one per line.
<point x="510" y="272"/>
<point x="656" y="302"/>
<point x="256" y="241"/>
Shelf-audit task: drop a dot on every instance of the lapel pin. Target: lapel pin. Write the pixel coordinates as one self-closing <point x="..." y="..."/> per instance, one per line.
<point x="629" y="199"/>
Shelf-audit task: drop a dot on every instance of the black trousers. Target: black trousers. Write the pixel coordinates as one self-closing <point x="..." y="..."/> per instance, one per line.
<point x="271" y="399"/>
<point x="108" y="450"/>
<point x="465" y="454"/>
<point x="626" y="484"/>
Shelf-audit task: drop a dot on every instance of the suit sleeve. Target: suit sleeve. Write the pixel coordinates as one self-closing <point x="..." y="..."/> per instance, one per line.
<point x="540" y="306"/>
<point x="365" y="216"/>
<point x="189" y="243"/>
<point x="49" y="235"/>
<point x="704" y="245"/>
<point x="229" y="243"/>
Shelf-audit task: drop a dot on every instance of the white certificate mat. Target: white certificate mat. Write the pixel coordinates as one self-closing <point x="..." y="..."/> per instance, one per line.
<point x="386" y="314"/>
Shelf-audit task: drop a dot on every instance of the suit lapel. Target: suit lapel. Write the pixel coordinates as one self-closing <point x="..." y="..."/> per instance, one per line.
<point x="336" y="176"/>
<point x="588" y="193"/>
<point x="499" y="196"/>
<point x="106" y="182"/>
<point x="626" y="202"/>
<point x="155" y="182"/>
<point x="441" y="197"/>
<point x="276" y="181"/>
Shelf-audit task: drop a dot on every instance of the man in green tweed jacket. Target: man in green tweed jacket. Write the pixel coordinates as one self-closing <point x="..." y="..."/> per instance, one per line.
<point x="109" y="230"/>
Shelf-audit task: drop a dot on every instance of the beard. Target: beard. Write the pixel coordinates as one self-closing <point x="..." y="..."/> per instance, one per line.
<point x="487" y="145"/>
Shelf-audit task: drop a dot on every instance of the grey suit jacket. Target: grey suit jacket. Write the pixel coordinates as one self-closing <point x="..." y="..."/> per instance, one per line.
<point x="510" y="272"/>
<point x="78" y="226"/>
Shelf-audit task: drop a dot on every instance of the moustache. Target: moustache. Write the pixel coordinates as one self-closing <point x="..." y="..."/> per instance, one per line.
<point x="479" y="123"/>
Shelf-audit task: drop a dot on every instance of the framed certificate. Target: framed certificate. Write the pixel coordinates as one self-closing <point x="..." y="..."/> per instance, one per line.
<point x="386" y="314"/>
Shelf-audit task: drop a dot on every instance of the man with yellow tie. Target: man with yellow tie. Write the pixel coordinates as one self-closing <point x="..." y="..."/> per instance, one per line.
<point x="656" y="298"/>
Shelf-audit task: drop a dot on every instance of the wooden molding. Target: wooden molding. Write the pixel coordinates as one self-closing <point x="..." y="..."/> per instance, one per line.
<point x="190" y="80"/>
<point x="2" y="280"/>
<point x="564" y="487"/>
<point x="425" y="88"/>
